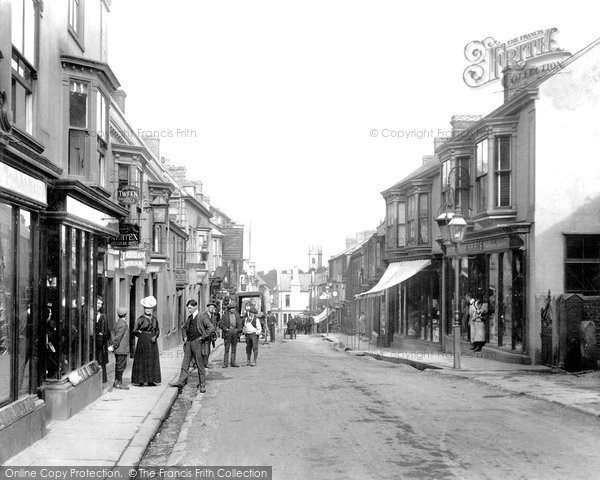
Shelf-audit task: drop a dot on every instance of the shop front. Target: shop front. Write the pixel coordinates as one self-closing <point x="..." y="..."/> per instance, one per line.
<point x="492" y="270"/>
<point x="77" y="229"/>
<point x="23" y="199"/>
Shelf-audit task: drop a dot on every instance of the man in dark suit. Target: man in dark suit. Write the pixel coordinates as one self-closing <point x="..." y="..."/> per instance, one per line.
<point x="231" y="325"/>
<point x="120" y="346"/>
<point x="213" y="317"/>
<point x="196" y="331"/>
<point x="102" y="338"/>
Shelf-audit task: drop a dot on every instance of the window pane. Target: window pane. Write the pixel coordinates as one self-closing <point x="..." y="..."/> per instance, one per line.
<point x="591" y="246"/>
<point x="503" y="189"/>
<point x="482" y="157"/>
<point x="423" y="205"/>
<point x="503" y="153"/>
<point x="582" y="278"/>
<point x="25" y="302"/>
<point x="77" y="152"/>
<point x="17" y="24"/>
<point x="7" y="295"/>
<point x="78" y="105"/>
<point x="423" y="230"/>
<point x="401" y="213"/>
<point x="574" y="246"/>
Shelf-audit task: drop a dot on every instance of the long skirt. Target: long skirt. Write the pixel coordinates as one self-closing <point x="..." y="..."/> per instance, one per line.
<point x="478" y="332"/>
<point x="146" y="363"/>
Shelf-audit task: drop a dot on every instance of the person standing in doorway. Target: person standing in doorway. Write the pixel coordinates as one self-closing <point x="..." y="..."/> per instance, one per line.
<point x="480" y="312"/>
<point x="120" y="346"/>
<point x="231" y="325"/>
<point x="146" y="362"/>
<point x="252" y="329"/>
<point x="196" y="331"/>
<point x="102" y="338"/>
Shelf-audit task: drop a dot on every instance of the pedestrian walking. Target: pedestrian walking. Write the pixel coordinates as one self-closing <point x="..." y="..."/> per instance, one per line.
<point x="231" y="325"/>
<point x="197" y="331"/>
<point x="213" y="318"/>
<point x="252" y="329"/>
<point x="146" y="362"/>
<point x="271" y="323"/>
<point x="120" y="347"/>
<point x="102" y="338"/>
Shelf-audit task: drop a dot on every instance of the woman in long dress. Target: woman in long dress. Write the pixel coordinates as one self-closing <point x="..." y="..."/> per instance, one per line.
<point x="146" y="362"/>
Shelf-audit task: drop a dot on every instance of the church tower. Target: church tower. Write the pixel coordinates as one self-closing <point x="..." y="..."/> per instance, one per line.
<point x="315" y="258"/>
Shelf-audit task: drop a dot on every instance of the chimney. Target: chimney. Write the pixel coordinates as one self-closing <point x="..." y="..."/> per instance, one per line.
<point x="460" y="123"/>
<point x="153" y="143"/>
<point x="428" y="158"/>
<point x="120" y="97"/>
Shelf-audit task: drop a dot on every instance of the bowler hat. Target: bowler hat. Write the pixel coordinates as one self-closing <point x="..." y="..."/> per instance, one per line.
<point x="213" y="304"/>
<point x="253" y="310"/>
<point x="122" y="311"/>
<point x="148" y="302"/>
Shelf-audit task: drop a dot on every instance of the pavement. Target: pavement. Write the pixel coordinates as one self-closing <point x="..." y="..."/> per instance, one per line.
<point x="118" y="426"/>
<point x="121" y="423"/>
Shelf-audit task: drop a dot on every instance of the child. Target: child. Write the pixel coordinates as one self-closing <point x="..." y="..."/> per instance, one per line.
<point x="121" y="347"/>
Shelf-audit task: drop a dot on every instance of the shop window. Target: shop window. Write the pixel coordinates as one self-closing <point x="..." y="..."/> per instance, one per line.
<point x="78" y="133"/>
<point x="16" y="303"/>
<point x="502" y="174"/>
<point x="481" y="175"/>
<point x="582" y="264"/>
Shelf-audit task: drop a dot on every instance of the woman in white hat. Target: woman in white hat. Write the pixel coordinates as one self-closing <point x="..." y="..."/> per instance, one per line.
<point x="146" y="362"/>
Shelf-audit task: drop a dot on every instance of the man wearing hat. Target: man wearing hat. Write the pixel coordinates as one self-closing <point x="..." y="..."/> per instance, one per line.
<point x="120" y="347"/>
<point x="213" y="317"/>
<point x="231" y="325"/>
<point x="196" y="331"/>
<point x="252" y="329"/>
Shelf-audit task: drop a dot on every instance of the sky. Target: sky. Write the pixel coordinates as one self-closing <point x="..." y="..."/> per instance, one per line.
<point x="297" y="115"/>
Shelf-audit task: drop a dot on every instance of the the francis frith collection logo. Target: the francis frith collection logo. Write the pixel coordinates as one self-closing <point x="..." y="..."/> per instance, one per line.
<point x="529" y="54"/>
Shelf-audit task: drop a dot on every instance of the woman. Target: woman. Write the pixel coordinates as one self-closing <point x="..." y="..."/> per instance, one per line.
<point x="478" y="339"/>
<point x="146" y="363"/>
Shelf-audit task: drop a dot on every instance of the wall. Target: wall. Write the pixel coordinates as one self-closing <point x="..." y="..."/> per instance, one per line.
<point x="567" y="172"/>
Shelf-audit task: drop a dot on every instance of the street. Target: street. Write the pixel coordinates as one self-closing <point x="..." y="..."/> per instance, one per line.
<point x="315" y="413"/>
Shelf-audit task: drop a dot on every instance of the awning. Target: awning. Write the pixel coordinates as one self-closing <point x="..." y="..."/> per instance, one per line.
<point x="323" y="315"/>
<point x="396" y="273"/>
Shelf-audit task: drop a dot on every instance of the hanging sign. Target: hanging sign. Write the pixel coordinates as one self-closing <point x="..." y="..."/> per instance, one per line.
<point x="129" y="236"/>
<point x="128" y="195"/>
<point x="133" y="261"/>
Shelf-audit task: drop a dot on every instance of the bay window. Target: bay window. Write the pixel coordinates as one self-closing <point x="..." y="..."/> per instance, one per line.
<point x="78" y="128"/>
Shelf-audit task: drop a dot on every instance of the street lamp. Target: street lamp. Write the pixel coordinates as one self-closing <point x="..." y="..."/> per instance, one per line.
<point x="453" y="227"/>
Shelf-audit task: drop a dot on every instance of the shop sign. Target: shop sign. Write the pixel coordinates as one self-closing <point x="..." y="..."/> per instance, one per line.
<point x="23" y="184"/>
<point x="129" y="236"/>
<point x="500" y="243"/>
<point x="83" y="373"/>
<point x="128" y="195"/>
<point x="133" y="261"/>
<point x="89" y="214"/>
<point x="180" y="276"/>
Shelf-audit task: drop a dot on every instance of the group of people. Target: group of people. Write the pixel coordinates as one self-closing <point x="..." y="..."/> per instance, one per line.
<point x="146" y="361"/>
<point x="198" y="330"/>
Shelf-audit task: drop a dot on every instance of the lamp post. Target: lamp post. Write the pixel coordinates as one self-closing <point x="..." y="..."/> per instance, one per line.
<point x="453" y="227"/>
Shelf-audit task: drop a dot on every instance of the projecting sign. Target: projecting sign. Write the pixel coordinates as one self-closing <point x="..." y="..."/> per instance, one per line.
<point x="129" y="236"/>
<point x="128" y="195"/>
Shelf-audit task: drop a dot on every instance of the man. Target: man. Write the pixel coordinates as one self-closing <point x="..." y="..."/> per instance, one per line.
<point x="120" y="346"/>
<point x="271" y="323"/>
<point x="102" y="338"/>
<point x="291" y="328"/>
<point x="231" y="325"/>
<point x="252" y="331"/>
<point x="196" y="331"/>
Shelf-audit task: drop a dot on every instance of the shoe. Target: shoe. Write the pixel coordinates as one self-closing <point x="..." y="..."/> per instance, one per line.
<point x="253" y="364"/>
<point x="116" y="384"/>
<point x="225" y="366"/>
<point x="235" y="365"/>
<point x="175" y="384"/>
<point x="151" y="384"/>
<point x="122" y="387"/>
<point x="202" y="389"/>
<point x="248" y="363"/>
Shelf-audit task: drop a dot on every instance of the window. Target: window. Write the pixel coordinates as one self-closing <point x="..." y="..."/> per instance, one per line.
<point x="78" y="133"/>
<point x="23" y="29"/>
<point x="423" y="218"/>
<point x="401" y="224"/>
<point x="461" y="185"/>
<point x="76" y="18"/>
<point x="411" y="224"/>
<point x="101" y="117"/>
<point x="391" y="224"/>
<point x="101" y="169"/>
<point x="582" y="264"/>
<point x="502" y="163"/>
<point x="481" y="178"/>
<point x="287" y="300"/>
<point x="417" y="219"/>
